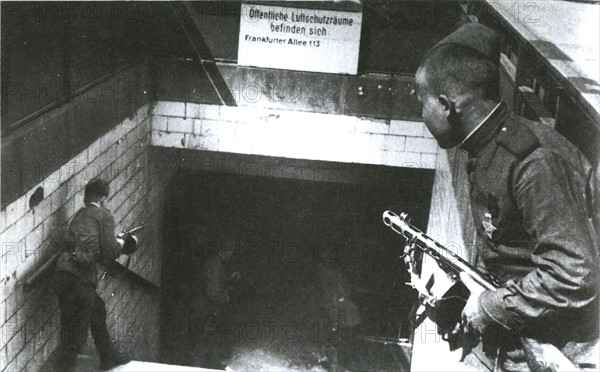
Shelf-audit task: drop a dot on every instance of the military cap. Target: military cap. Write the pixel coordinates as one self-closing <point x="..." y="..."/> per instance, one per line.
<point x="477" y="37"/>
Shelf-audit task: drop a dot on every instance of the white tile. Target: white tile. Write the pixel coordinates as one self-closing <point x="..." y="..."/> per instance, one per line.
<point x="13" y="255"/>
<point x="142" y="113"/>
<point x="347" y="147"/>
<point x="144" y="126"/>
<point x="207" y="143"/>
<point x="242" y="114"/>
<point x="110" y="155"/>
<point x="407" y="128"/>
<point x="3" y="225"/>
<point x="33" y="241"/>
<point x="79" y="161"/>
<point x="394" y="143"/>
<point x="426" y="132"/>
<point x="298" y="119"/>
<point x="110" y="139"/>
<point x="216" y="128"/>
<point x="429" y="161"/>
<point x="92" y="170"/>
<point x="71" y="208"/>
<point x="25" y="224"/>
<point x="154" y="137"/>
<point x="159" y="122"/>
<point x="377" y="141"/>
<point x="166" y="139"/>
<point x="121" y="131"/>
<point x="423" y="145"/>
<point x="10" y="235"/>
<point x="236" y="145"/>
<point x="52" y="182"/>
<point x="197" y="127"/>
<point x="211" y="112"/>
<point x="338" y="123"/>
<point x="372" y="126"/>
<point x="128" y="124"/>
<point x="226" y="130"/>
<point x="15" y="210"/>
<point x="68" y="170"/>
<point x="181" y="125"/>
<point x="402" y="159"/>
<point x="167" y="108"/>
<point x="191" y="110"/>
<point x="51" y="227"/>
<point x="43" y="210"/>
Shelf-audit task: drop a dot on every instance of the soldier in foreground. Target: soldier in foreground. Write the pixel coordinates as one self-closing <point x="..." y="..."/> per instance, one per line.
<point x="92" y="242"/>
<point x="530" y="204"/>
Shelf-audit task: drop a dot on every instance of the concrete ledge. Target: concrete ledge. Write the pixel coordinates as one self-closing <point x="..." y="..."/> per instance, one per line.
<point x="293" y="134"/>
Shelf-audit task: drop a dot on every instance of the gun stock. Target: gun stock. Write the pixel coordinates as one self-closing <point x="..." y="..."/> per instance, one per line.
<point x="541" y="357"/>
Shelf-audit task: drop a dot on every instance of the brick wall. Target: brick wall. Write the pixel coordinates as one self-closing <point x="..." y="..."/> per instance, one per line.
<point x="30" y="319"/>
<point x="124" y="157"/>
<point x="293" y="134"/>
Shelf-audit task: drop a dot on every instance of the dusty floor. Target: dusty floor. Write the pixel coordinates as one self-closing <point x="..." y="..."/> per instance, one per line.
<point x="296" y="336"/>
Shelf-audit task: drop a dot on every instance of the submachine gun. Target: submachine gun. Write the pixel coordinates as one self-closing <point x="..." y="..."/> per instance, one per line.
<point x="120" y="269"/>
<point x="130" y="241"/>
<point x="447" y="310"/>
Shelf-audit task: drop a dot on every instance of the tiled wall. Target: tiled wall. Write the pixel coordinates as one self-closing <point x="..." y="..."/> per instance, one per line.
<point x="293" y="134"/>
<point x="30" y="319"/>
<point x="124" y="157"/>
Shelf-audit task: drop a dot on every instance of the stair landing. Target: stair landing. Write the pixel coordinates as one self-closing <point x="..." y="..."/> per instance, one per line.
<point x="148" y="366"/>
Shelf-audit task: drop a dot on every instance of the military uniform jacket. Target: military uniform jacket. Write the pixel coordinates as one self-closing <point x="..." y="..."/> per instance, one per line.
<point x="529" y="204"/>
<point x="91" y="239"/>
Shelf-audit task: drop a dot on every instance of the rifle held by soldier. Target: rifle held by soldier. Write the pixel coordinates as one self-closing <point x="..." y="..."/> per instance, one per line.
<point x="129" y="239"/>
<point x="446" y="312"/>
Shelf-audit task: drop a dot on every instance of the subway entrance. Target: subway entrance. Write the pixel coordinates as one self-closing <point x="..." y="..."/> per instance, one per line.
<point x="289" y="273"/>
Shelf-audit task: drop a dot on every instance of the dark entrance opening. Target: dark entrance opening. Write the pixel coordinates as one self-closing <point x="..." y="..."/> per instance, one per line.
<point x="319" y="278"/>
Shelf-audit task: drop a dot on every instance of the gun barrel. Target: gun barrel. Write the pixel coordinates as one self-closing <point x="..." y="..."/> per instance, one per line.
<point x="137" y="228"/>
<point x="540" y="356"/>
<point x="434" y="249"/>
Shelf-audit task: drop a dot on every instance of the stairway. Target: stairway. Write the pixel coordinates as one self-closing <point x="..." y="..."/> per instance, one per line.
<point x="148" y="366"/>
<point x="87" y="363"/>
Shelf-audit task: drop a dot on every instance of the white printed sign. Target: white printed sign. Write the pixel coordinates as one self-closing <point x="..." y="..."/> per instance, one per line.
<point x="299" y="39"/>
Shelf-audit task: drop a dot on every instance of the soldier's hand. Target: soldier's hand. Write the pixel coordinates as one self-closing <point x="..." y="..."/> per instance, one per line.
<point x="472" y="320"/>
<point x="454" y="333"/>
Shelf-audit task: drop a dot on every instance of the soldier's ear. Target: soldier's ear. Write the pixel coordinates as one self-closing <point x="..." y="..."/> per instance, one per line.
<point x="447" y="104"/>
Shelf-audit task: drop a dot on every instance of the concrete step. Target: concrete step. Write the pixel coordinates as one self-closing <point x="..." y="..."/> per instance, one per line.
<point x="87" y="363"/>
<point x="137" y="366"/>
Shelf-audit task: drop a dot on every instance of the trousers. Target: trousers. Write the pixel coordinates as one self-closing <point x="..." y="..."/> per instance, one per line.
<point x="80" y="309"/>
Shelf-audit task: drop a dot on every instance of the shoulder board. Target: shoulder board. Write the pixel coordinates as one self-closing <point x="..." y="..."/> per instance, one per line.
<point x="517" y="139"/>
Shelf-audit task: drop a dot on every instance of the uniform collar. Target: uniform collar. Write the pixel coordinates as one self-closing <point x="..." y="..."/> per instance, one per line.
<point x="485" y="131"/>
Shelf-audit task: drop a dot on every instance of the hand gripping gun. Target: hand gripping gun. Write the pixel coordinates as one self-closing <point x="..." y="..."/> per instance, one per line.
<point x="129" y="245"/>
<point x="446" y="312"/>
<point x="130" y="241"/>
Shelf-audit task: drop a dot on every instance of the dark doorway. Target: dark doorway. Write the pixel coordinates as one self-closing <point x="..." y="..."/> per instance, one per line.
<point x="319" y="273"/>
